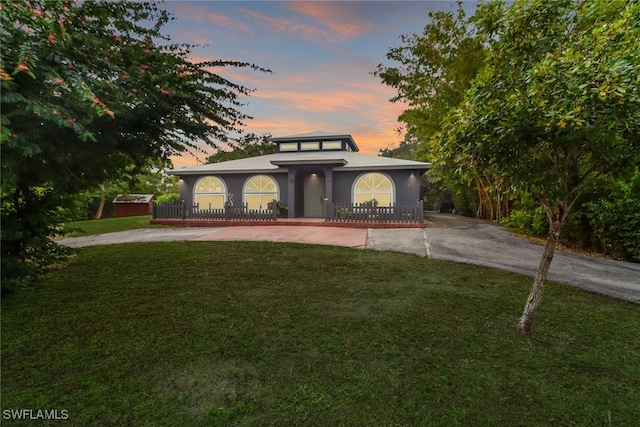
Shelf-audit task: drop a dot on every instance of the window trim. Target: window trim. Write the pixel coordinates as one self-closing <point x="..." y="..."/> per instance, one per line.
<point x="362" y="175"/>
<point x="224" y="193"/>
<point x="246" y="183"/>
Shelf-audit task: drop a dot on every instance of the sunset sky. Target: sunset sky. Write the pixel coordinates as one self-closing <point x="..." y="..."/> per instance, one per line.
<point x="322" y="54"/>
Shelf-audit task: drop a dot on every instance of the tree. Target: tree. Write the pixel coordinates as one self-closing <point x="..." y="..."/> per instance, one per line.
<point x="405" y="150"/>
<point x="152" y="179"/>
<point x="435" y="69"/>
<point x="250" y="145"/>
<point x="556" y="106"/>
<point x="90" y="93"/>
<point x="155" y="181"/>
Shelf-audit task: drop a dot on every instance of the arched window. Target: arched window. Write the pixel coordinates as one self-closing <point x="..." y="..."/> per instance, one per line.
<point x="259" y="190"/>
<point x="210" y="193"/>
<point x="373" y="186"/>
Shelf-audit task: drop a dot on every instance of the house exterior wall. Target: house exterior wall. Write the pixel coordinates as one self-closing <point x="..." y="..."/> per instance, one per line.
<point x="234" y="183"/>
<point x="406" y="183"/>
<point x="338" y="185"/>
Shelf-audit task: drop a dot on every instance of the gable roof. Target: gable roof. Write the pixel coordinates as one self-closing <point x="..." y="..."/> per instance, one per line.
<point x="133" y="198"/>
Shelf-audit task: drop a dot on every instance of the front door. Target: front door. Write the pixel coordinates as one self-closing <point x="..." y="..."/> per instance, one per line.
<point x="314" y="196"/>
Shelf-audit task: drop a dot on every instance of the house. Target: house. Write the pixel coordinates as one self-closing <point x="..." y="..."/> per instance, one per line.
<point x="308" y="173"/>
<point x="133" y="204"/>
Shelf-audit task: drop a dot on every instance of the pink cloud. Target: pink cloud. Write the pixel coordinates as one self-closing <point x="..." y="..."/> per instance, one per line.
<point x="374" y="128"/>
<point x="314" y="93"/>
<point x="300" y="102"/>
<point x="192" y="12"/>
<point x="378" y="131"/>
<point x="283" y="25"/>
<point x="337" y="16"/>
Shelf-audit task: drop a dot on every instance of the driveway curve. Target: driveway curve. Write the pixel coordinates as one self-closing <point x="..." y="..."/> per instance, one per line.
<point x="448" y="237"/>
<point x="469" y="240"/>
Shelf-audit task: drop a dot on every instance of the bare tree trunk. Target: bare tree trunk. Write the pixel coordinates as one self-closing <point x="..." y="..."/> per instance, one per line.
<point x="98" y="214"/>
<point x="556" y="222"/>
<point x="479" y="211"/>
<point x="506" y="207"/>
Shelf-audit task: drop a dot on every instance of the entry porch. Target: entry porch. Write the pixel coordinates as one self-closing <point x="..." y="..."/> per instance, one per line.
<point x="335" y="215"/>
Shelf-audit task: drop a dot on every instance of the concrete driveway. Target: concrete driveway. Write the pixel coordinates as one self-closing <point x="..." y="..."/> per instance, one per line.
<point x="447" y="237"/>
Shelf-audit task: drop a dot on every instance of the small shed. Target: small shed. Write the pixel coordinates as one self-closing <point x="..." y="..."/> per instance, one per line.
<point x="133" y="204"/>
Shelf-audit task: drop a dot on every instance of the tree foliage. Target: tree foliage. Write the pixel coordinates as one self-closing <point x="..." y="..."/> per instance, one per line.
<point x="250" y="145"/>
<point x="434" y="70"/>
<point x="614" y="220"/>
<point x="556" y="106"/>
<point x="405" y="150"/>
<point x="93" y="91"/>
<point x="605" y="219"/>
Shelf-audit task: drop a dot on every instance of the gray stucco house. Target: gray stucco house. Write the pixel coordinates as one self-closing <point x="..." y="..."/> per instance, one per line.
<point x="308" y="172"/>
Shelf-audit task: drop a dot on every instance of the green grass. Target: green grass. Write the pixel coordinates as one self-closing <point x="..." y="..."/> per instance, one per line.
<point x="255" y="334"/>
<point x="109" y="225"/>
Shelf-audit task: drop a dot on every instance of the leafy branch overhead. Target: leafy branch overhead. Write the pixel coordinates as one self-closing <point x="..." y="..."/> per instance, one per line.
<point x="93" y="91"/>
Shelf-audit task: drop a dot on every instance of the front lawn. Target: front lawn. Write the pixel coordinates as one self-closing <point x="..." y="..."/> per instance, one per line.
<point x="259" y="333"/>
<point x="109" y="225"/>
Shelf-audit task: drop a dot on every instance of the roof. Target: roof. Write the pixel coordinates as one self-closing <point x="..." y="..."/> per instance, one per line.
<point x="133" y="198"/>
<point x="312" y="135"/>
<point x="341" y="160"/>
<point x="275" y="163"/>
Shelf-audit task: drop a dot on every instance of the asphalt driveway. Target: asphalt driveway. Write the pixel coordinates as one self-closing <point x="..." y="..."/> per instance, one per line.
<point x="468" y="240"/>
<point x="447" y="237"/>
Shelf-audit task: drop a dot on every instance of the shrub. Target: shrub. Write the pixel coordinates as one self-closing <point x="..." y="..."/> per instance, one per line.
<point x="278" y="205"/>
<point x="606" y="219"/>
<point x="168" y="198"/>
<point x="527" y="217"/>
<point x="615" y="220"/>
<point x="29" y="217"/>
<point x="43" y="256"/>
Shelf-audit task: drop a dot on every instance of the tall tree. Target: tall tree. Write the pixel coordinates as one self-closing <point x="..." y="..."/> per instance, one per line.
<point x="432" y="72"/>
<point x="92" y="91"/>
<point x="435" y="68"/>
<point x="556" y="106"/>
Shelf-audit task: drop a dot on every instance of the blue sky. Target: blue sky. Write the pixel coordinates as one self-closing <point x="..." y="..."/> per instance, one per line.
<point x="322" y="54"/>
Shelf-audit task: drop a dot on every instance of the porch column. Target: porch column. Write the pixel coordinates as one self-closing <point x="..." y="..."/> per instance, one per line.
<point x="291" y="192"/>
<point x="328" y="183"/>
<point x="328" y="189"/>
